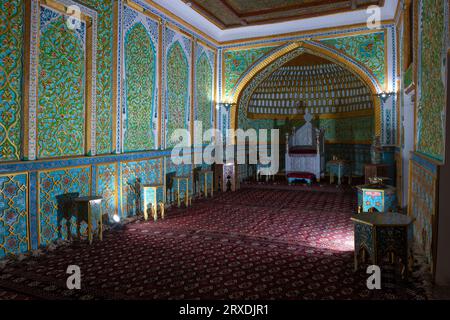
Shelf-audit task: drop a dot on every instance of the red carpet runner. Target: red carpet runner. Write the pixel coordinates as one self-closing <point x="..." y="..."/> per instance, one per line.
<point x="252" y="244"/>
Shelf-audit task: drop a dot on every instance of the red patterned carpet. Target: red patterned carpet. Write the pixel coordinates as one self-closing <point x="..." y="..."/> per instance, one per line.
<point x="252" y="244"/>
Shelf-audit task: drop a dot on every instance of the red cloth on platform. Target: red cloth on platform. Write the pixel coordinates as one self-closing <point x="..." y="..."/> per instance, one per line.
<point x="302" y="150"/>
<point x="301" y="175"/>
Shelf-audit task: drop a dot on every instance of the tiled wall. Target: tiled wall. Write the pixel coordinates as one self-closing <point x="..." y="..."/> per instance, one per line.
<point x="423" y="206"/>
<point x="14" y="224"/>
<point x="29" y="215"/>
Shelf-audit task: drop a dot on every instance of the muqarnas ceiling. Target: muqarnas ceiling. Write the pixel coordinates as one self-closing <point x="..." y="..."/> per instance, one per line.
<point x="309" y="83"/>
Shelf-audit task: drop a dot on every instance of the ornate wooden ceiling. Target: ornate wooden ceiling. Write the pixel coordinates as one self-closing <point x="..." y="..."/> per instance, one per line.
<point x="237" y="13"/>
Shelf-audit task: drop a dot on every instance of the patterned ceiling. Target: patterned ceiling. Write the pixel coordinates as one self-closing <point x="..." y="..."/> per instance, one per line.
<point x="237" y="13"/>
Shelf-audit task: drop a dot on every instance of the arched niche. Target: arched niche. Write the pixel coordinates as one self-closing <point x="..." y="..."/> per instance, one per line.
<point x="277" y="59"/>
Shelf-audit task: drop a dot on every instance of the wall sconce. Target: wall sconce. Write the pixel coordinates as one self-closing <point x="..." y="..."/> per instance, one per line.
<point x="226" y="104"/>
<point x="385" y="95"/>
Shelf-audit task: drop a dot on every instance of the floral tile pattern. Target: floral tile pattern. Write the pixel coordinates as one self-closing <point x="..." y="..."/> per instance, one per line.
<point x="140" y="75"/>
<point x="11" y="72"/>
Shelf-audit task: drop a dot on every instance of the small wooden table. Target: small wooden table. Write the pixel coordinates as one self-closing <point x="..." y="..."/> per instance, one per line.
<point x="178" y="182"/>
<point x="208" y="180"/>
<point x="269" y="177"/>
<point x="377" y="197"/>
<point x="151" y="194"/>
<point x="340" y="168"/>
<point x="383" y="235"/>
<point x="261" y="172"/>
<point x="89" y="210"/>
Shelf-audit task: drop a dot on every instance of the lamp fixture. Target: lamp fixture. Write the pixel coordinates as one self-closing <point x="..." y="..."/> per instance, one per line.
<point x="385" y="95"/>
<point x="226" y="104"/>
